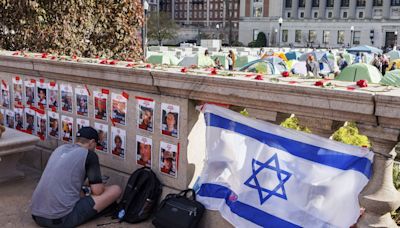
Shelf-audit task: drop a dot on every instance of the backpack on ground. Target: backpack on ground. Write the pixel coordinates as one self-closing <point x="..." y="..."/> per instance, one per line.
<point x="179" y="211"/>
<point x="140" y="198"/>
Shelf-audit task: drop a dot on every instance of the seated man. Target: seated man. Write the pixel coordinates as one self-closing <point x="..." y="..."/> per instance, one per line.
<point x="57" y="200"/>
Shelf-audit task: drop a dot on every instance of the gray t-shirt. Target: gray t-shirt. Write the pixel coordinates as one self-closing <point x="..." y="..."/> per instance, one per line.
<point x="59" y="187"/>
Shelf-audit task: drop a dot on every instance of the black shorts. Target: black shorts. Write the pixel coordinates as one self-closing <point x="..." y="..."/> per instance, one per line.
<point x="82" y="212"/>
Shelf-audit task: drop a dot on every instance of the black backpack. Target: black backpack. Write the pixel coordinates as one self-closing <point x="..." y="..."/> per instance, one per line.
<point x="140" y="198"/>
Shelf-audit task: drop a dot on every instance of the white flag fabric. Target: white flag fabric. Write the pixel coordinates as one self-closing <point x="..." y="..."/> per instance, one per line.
<point x="262" y="175"/>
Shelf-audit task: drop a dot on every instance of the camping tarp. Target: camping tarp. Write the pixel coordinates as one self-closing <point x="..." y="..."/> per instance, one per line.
<point x="293" y="55"/>
<point x="391" y="78"/>
<point x="393" y="55"/>
<point x="360" y="71"/>
<point x="243" y="60"/>
<point x="199" y="60"/>
<point x="364" y="48"/>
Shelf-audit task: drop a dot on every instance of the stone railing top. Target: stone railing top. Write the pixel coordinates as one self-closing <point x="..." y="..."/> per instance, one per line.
<point x="334" y="100"/>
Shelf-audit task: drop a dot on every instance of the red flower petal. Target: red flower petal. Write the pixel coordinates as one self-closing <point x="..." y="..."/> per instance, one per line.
<point x="362" y="83"/>
<point x="319" y="83"/>
<point x="213" y="71"/>
<point x="104" y="61"/>
<point x="350" y="88"/>
<point x="53" y="58"/>
<point x="292" y="82"/>
<point x="285" y="74"/>
<point x="259" y="77"/>
<point x="113" y="62"/>
<point x="129" y="65"/>
<point x="184" y="70"/>
<point x="148" y="65"/>
<point x="249" y="75"/>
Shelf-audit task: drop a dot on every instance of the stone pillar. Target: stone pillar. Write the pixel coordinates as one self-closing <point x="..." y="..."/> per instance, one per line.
<point x="368" y="10"/>
<point x="386" y="9"/>
<point x="322" y="9"/>
<point x="295" y="9"/>
<point x="336" y="9"/>
<point x="380" y="197"/>
<point x="208" y="12"/>
<point x="352" y="9"/>
<point x="307" y="11"/>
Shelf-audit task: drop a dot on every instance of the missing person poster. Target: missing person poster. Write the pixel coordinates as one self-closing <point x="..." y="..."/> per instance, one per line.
<point x="80" y="123"/>
<point x="66" y="97"/>
<point x="145" y="113"/>
<point x="67" y="123"/>
<point x="81" y="98"/>
<point x="10" y="123"/>
<point x="143" y="150"/>
<point x="41" y="98"/>
<point x="30" y="92"/>
<point x="100" y="104"/>
<point x="30" y="116"/>
<point x="119" y="107"/>
<point x="19" y="118"/>
<point x="54" y="123"/>
<point x="53" y="96"/>
<point x="17" y="85"/>
<point x="41" y="121"/>
<point x="5" y="94"/>
<point x="170" y="120"/>
<point x="102" y="131"/>
<point x="118" y="137"/>
<point x="169" y="159"/>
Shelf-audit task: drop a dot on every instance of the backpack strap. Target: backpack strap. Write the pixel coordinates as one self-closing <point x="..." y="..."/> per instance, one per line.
<point x="184" y="193"/>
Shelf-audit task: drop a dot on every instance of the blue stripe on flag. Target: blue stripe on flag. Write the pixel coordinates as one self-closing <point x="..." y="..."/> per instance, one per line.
<point x="243" y="210"/>
<point x="309" y="152"/>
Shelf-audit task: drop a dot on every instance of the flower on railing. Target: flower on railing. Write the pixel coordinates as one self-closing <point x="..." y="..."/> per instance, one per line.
<point x="362" y="83"/>
<point x="148" y="65"/>
<point x="44" y="55"/>
<point x="114" y="62"/>
<point x="259" y="77"/>
<point x="193" y="66"/>
<point x="319" y="83"/>
<point x="213" y="71"/>
<point x="104" y="61"/>
<point x="285" y="74"/>
<point x="16" y="53"/>
<point x="130" y="65"/>
<point x="184" y="70"/>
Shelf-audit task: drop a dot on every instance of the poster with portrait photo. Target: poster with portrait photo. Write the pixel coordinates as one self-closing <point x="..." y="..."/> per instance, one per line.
<point x="19" y="118"/>
<point x="80" y="123"/>
<point x="10" y="122"/>
<point x="118" y="143"/>
<point x="53" y="100"/>
<point x="5" y="94"/>
<point x="53" y="124"/>
<point x="41" y="97"/>
<point x="170" y="120"/>
<point x="66" y="97"/>
<point x="41" y="124"/>
<point x="17" y="86"/>
<point x="2" y="120"/>
<point x="169" y="159"/>
<point x="81" y="100"/>
<point x="119" y="106"/>
<point x="100" y="104"/>
<point x="143" y="150"/>
<point x="145" y="113"/>
<point x="30" y="92"/>
<point x="67" y="124"/>
<point x="102" y="131"/>
<point x="29" y="124"/>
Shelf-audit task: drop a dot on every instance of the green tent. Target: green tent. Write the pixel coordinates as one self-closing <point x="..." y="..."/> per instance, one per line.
<point x="165" y="58"/>
<point x="360" y="71"/>
<point x="245" y="59"/>
<point x="391" y="78"/>
<point x="199" y="60"/>
<point x="348" y="57"/>
<point x="394" y="54"/>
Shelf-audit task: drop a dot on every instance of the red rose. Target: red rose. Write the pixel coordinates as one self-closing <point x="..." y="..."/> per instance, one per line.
<point x="292" y="82"/>
<point x="319" y="83"/>
<point x="53" y="57"/>
<point x="129" y="65"/>
<point x="184" y="70"/>
<point x="16" y="53"/>
<point x="113" y="62"/>
<point x="362" y="83"/>
<point x="44" y="55"/>
<point x="148" y="65"/>
<point x="259" y="77"/>
<point x="129" y="60"/>
<point x="104" y="61"/>
<point x="285" y="74"/>
<point x="74" y="57"/>
<point x="213" y="71"/>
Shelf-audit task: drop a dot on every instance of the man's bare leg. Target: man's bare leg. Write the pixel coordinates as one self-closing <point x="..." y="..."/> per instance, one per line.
<point x="110" y="195"/>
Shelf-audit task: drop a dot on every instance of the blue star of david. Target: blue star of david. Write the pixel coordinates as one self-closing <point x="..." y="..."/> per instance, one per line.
<point x="282" y="176"/>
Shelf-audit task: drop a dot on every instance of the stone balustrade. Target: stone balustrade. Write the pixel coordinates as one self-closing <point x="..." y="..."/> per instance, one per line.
<point x="375" y="109"/>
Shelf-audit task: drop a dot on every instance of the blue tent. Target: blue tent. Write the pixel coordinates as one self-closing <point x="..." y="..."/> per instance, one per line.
<point x="317" y="55"/>
<point x="365" y="48"/>
<point x="293" y="55"/>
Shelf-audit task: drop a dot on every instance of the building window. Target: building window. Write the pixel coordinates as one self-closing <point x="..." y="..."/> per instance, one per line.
<point x="285" y="35"/>
<point x="211" y="6"/>
<point x="315" y="3"/>
<point x="345" y="14"/>
<point x="255" y="33"/>
<point x="312" y="36"/>
<point x="356" y="37"/>
<point x="329" y="3"/>
<point x="345" y="3"/>
<point x="360" y="14"/>
<point x="301" y="14"/>
<point x="378" y="3"/>
<point x="288" y="3"/>
<point x="302" y="3"/>
<point x="360" y="2"/>
<point x="340" y="37"/>
<point x="326" y="37"/>
<point x="297" y="37"/>
<point x="395" y="3"/>
<point x="330" y="14"/>
<point x="257" y="8"/>
<point x="315" y="14"/>
<point x="289" y="15"/>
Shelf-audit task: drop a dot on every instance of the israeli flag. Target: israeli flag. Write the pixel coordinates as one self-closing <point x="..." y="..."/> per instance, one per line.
<point x="261" y="175"/>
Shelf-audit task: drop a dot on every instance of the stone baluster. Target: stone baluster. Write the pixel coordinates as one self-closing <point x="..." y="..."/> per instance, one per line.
<point x="322" y="127"/>
<point x="380" y="197"/>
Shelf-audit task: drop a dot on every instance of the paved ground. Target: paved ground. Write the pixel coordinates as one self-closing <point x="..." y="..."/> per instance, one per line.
<point x="15" y="200"/>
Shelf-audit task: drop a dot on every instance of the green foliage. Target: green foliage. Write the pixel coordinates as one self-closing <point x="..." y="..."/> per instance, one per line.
<point x="396" y="182"/>
<point x="293" y="123"/>
<point x="349" y="135"/>
<point x="244" y="112"/>
<point x="168" y="29"/>
<point x="260" y="41"/>
<point x="236" y="43"/>
<point x="85" y="28"/>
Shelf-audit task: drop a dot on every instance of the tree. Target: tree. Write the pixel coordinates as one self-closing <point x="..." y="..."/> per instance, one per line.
<point x="163" y="29"/>
<point x="260" y="41"/>
<point x="85" y="28"/>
